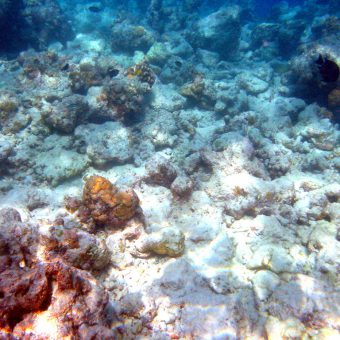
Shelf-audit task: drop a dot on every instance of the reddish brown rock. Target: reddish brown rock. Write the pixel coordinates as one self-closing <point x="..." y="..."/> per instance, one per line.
<point x="21" y="292"/>
<point x="42" y="298"/>
<point x="75" y="304"/>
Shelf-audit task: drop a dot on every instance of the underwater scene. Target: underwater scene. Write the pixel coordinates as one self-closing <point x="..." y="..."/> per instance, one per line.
<point x="169" y="169"/>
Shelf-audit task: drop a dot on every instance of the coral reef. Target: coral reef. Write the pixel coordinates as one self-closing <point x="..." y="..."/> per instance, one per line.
<point x="207" y="137"/>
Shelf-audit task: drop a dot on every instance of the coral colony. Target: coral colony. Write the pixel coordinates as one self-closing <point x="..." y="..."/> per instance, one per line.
<point x="169" y="169"/>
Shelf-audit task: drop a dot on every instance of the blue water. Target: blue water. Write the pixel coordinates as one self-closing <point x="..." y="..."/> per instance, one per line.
<point x="263" y="8"/>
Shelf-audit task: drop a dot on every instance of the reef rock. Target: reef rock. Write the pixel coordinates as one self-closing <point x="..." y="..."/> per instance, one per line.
<point x="63" y="116"/>
<point x="77" y="248"/>
<point x="182" y="186"/>
<point x="130" y="38"/>
<point x="37" y="23"/>
<point x="252" y="84"/>
<point x="160" y="171"/>
<point x="121" y="99"/>
<point x="263" y="33"/>
<point x="6" y="147"/>
<point x="56" y="162"/>
<point x="218" y="32"/>
<point x="105" y="143"/>
<point x="334" y="98"/>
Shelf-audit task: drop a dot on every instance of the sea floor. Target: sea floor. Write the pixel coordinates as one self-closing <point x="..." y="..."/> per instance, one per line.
<point x="237" y="236"/>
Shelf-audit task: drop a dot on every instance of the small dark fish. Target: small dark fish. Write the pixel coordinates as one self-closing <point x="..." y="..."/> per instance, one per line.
<point x="65" y="67"/>
<point x="178" y="63"/>
<point x="95" y="9"/>
<point x="328" y="69"/>
<point x="113" y="72"/>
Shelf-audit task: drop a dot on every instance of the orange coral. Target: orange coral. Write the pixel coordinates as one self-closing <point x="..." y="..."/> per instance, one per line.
<point x="105" y="204"/>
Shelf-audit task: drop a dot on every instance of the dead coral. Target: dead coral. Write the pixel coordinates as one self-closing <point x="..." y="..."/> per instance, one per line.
<point x="103" y="204"/>
<point x="12" y="116"/>
<point x="129" y="38"/>
<point x="160" y="171"/>
<point x="64" y="115"/>
<point x="199" y="92"/>
<point x="87" y="75"/>
<point x="92" y="73"/>
<point x="182" y="186"/>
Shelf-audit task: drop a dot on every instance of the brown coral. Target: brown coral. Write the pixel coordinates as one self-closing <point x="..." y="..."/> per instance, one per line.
<point x="105" y="205"/>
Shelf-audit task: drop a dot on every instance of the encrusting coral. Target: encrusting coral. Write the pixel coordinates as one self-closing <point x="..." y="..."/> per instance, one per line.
<point x="103" y="204"/>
